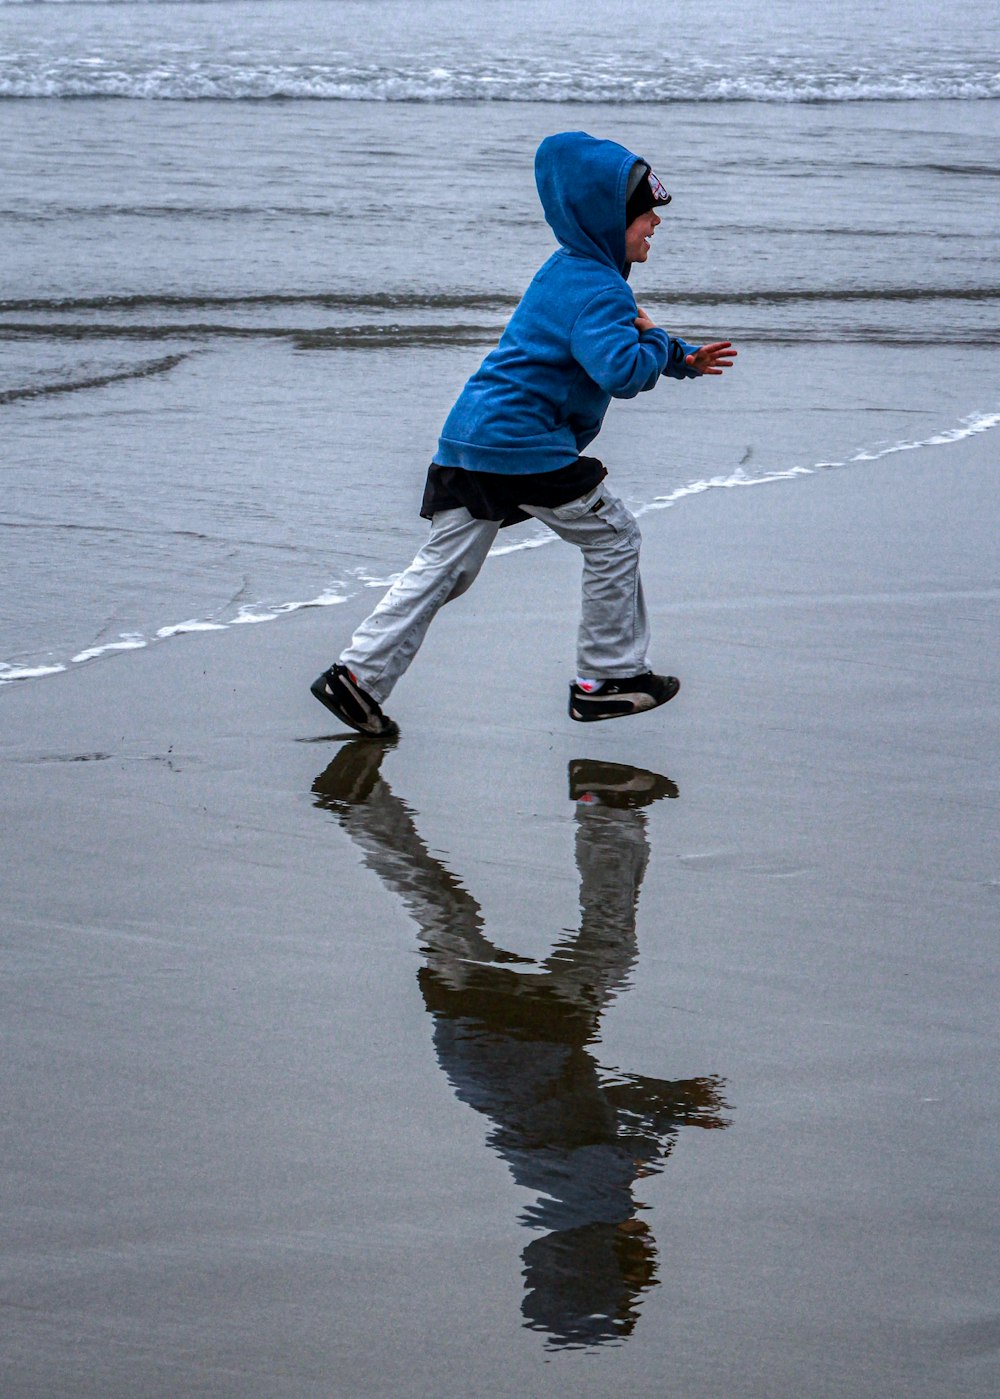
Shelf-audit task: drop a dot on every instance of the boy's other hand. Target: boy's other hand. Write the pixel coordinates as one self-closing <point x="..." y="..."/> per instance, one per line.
<point x="643" y="322"/>
<point x="712" y="359"/>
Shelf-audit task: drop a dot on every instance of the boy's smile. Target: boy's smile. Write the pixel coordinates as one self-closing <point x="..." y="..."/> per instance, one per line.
<point x="638" y="234"/>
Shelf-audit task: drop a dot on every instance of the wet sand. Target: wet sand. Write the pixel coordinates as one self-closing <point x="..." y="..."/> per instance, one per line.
<point x="287" y="1115"/>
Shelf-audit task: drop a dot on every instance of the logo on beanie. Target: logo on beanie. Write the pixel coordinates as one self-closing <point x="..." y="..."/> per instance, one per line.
<point x="660" y="195"/>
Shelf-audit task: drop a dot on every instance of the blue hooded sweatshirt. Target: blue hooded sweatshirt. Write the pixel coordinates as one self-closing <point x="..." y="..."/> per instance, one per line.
<point x="539" y="398"/>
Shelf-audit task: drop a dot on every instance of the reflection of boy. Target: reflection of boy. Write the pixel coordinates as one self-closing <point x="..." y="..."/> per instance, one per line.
<point x="515" y="1040"/>
<point x="511" y="446"/>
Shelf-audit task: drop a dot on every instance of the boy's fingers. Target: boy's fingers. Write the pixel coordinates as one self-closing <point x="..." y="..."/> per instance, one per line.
<point x="713" y="358"/>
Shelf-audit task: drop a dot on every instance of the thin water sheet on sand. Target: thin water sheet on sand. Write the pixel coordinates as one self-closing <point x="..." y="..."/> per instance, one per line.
<point x="355" y="1071"/>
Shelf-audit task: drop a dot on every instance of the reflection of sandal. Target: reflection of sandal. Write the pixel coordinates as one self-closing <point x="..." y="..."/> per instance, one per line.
<point x="614" y="699"/>
<point x="343" y="696"/>
<point x="616" y="784"/>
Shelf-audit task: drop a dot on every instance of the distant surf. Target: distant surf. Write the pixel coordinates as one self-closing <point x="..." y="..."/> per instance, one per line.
<point x="189" y="71"/>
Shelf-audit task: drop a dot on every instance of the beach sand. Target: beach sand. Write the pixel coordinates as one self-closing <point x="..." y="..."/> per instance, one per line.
<point x="236" y="1163"/>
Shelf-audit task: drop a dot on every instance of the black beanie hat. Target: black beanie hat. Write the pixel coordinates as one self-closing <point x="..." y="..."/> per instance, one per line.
<point x="644" y="192"/>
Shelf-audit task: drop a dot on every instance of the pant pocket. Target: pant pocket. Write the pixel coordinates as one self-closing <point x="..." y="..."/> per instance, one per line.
<point x="575" y="509"/>
<point x="617" y="516"/>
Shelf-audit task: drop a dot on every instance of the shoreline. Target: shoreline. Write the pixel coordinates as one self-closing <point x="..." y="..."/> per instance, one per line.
<point x="334" y="594"/>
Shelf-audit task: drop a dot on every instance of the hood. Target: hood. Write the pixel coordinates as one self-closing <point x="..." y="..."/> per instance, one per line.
<point x="582" y="183"/>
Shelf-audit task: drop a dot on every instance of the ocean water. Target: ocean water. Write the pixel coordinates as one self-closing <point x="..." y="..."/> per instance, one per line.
<point x="252" y="250"/>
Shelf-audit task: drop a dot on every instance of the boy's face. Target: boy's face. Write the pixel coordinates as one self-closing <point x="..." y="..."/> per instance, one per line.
<point x="638" y="234"/>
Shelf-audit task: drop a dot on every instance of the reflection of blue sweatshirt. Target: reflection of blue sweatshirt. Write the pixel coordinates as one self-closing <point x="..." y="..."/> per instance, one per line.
<point x="571" y="346"/>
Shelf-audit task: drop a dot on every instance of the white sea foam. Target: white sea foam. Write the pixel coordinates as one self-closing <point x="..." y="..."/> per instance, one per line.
<point x="135" y="641"/>
<point x="179" y="628"/>
<point x="327" y="599"/>
<point x="9" y="673"/>
<point x="373" y="580"/>
<point x="661" y="502"/>
<point x="723" y="483"/>
<point x="257" y="612"/>
<point x="129" y="641"/>
<point x="534" y="541"/>
<point x="247" y="617"/>
<point x="968" y="427"/>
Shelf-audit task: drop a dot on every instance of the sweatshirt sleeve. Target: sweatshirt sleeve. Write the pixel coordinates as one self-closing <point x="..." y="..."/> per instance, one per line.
<point x="675" y="367"/>
<point x="605" y="342"/>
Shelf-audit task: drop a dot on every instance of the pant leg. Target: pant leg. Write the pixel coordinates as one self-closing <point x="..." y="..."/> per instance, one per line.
<point x="613" y="639"/>
<point x="386" y="641"/>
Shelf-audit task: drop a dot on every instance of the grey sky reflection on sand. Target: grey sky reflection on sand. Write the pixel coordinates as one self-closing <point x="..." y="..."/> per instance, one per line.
<point x="511" y="1035"/>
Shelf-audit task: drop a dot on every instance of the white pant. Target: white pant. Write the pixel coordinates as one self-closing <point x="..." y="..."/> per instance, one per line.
<point x="614" y="631"/>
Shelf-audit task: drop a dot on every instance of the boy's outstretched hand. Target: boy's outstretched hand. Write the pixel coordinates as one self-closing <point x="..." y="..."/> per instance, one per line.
<point x="712" y="359"/>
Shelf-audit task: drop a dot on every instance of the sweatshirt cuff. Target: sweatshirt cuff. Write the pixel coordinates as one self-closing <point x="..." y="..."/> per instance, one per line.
<point x="676" y="368"/>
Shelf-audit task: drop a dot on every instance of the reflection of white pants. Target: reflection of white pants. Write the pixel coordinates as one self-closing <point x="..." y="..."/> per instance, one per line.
<point x="614" y="631"/>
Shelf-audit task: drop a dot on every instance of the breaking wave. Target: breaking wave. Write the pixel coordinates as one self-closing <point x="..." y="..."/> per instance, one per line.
<point x="93" y="381"/>
<point x="407" y="320"/>
<point x="186" y="79"/>
<point x="421" y="301"/>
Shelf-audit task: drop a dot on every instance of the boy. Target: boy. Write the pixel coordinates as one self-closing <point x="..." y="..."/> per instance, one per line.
<point x="511" y="446"/>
